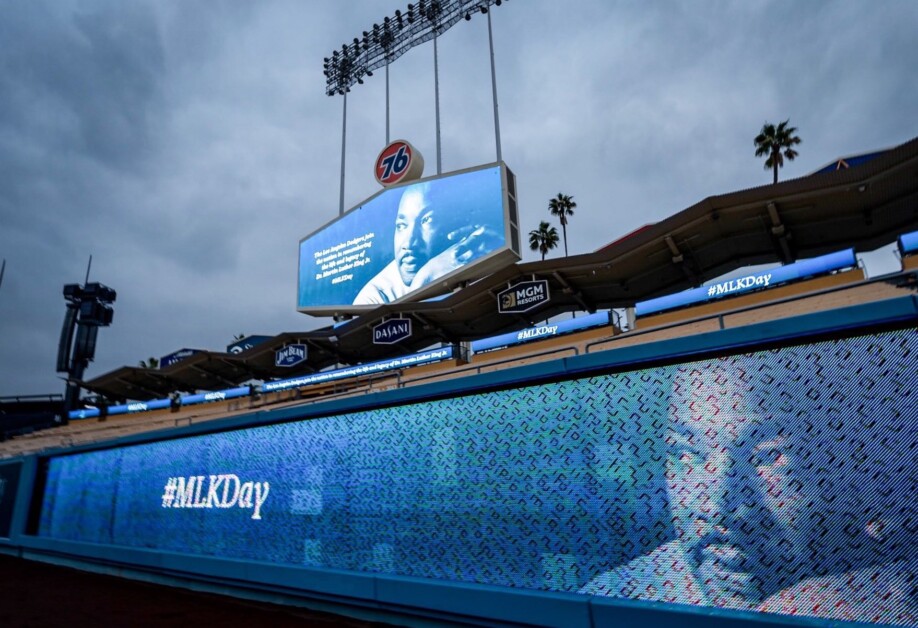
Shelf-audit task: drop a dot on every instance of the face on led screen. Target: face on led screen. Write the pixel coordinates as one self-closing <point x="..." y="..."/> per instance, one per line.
<point x="402" y="240"/>
<point x="780" y="481"/>
<point x="740" y="463"/>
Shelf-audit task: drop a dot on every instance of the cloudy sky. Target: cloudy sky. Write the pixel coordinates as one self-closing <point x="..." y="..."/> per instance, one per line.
<point x="187" y="146"/>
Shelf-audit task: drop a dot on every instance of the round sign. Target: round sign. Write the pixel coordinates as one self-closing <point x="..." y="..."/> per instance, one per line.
<point x="397" y="163"/>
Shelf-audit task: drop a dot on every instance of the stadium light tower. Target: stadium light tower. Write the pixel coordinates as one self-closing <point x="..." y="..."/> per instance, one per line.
<point x="88" y="309"/>
<point x="386" y="42"/>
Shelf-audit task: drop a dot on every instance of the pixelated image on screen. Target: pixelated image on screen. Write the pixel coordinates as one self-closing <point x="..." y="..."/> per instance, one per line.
<point x="783" y="481"/>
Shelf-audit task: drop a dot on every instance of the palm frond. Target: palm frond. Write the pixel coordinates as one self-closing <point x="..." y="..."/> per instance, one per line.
<point x="770" y="142"/>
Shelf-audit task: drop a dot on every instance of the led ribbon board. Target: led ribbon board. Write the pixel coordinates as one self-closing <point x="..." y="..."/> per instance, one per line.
<point x="218" y="395"/>
<point x="754" y="281"/>
<point x="409" y="242"/>
<point x="542" y="331"/>
<point x="159" y="404"/>
<point x="793" y="470"/>
<point x="415" y="359"/>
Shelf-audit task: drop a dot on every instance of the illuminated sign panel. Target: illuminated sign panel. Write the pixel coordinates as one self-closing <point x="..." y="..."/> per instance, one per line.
<point x="176" y="357"/>
<point x="392" y="331"/>
<point x="291" y="355"/>
<point x="522" y="297"/>
<point x="160" y="404"/>
<point x="398" y="162"/>
<point x="753" y="281"/>
<point x="780" y="481"/>
<point x="122" y="408"/>
<point x="217" y="395"/>
<point x="246" y="343"/>
<point x="410" y="241"/>
<point x="908" y="243"/>
<point x="415" y="359"/>
<point x="547" y="330"/>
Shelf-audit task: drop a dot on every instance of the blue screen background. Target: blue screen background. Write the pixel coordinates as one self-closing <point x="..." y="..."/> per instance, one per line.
<point x="544" y="487"/>
<point x="474" y="197"/>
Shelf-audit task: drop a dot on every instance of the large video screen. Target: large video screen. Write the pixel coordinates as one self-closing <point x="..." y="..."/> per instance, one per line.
<point x="781" y="481"/>
<point x="407" y="241"/>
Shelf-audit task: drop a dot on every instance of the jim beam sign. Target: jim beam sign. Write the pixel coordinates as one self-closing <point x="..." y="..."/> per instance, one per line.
<point x="291" y="355"/>
<point x="522" y="297"/>
<point x="392" y="331"/>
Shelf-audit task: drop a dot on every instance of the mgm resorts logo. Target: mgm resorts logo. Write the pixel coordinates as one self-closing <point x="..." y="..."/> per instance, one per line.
<point x="523" y="297"/>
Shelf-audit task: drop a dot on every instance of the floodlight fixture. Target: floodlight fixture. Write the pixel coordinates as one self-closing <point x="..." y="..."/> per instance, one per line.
<point x="396" y="35"/>
<point x="73" y="292"/>
<point x="88" y="309"/>
<point x="387" y="42"/>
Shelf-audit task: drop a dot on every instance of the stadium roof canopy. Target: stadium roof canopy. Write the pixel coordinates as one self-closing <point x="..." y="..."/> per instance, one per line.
<point x="865" y="205"/>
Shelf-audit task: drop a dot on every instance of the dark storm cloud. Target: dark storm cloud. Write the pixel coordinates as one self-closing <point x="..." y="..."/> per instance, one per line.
<point x="79" y="92"/>
<point x="82" y="82"/>
<point x="188" y="146"/>
<point x="168" y="140"/>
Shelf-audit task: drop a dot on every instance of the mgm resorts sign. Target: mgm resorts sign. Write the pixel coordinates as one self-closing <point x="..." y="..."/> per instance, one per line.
<point x="391" y="331"/>
<point x="523" y="297"/>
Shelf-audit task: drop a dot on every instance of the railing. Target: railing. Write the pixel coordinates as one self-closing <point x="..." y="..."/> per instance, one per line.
<point x="367" y="384"/>
<point x="909" y="279"/>
<point x="478" y="368"/>
<point x="50" y="398"/>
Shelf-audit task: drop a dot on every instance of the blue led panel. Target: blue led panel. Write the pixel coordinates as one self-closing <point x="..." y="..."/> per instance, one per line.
<point x="219" y="395"/>
<point x="159" y="404"/>
<point x="755" y="281"/>
<point x="414" y="359"/>
<point x="547" y="330"/>
<point x="908" y="243"/>
<point x="781" y="481"/>
<point x="406" y="242"/>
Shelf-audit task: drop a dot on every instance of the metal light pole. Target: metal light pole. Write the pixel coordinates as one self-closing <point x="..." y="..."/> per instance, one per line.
<point x="437" y="103"/>
<point x="494" y="89"/>
<point x="387" y="100"/>
<point x="384" y="43"/>
<point x="343" y="149"/>
<point x="88" y="309"/>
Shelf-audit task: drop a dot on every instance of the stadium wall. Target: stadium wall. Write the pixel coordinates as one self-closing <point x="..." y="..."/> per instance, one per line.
<point x="57" y="511"/>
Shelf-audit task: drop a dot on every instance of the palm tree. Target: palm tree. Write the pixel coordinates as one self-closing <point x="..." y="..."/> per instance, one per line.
<point x="562" y="206"/>
<point x="543" y="239"/>
<point x="772" y="140"/>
